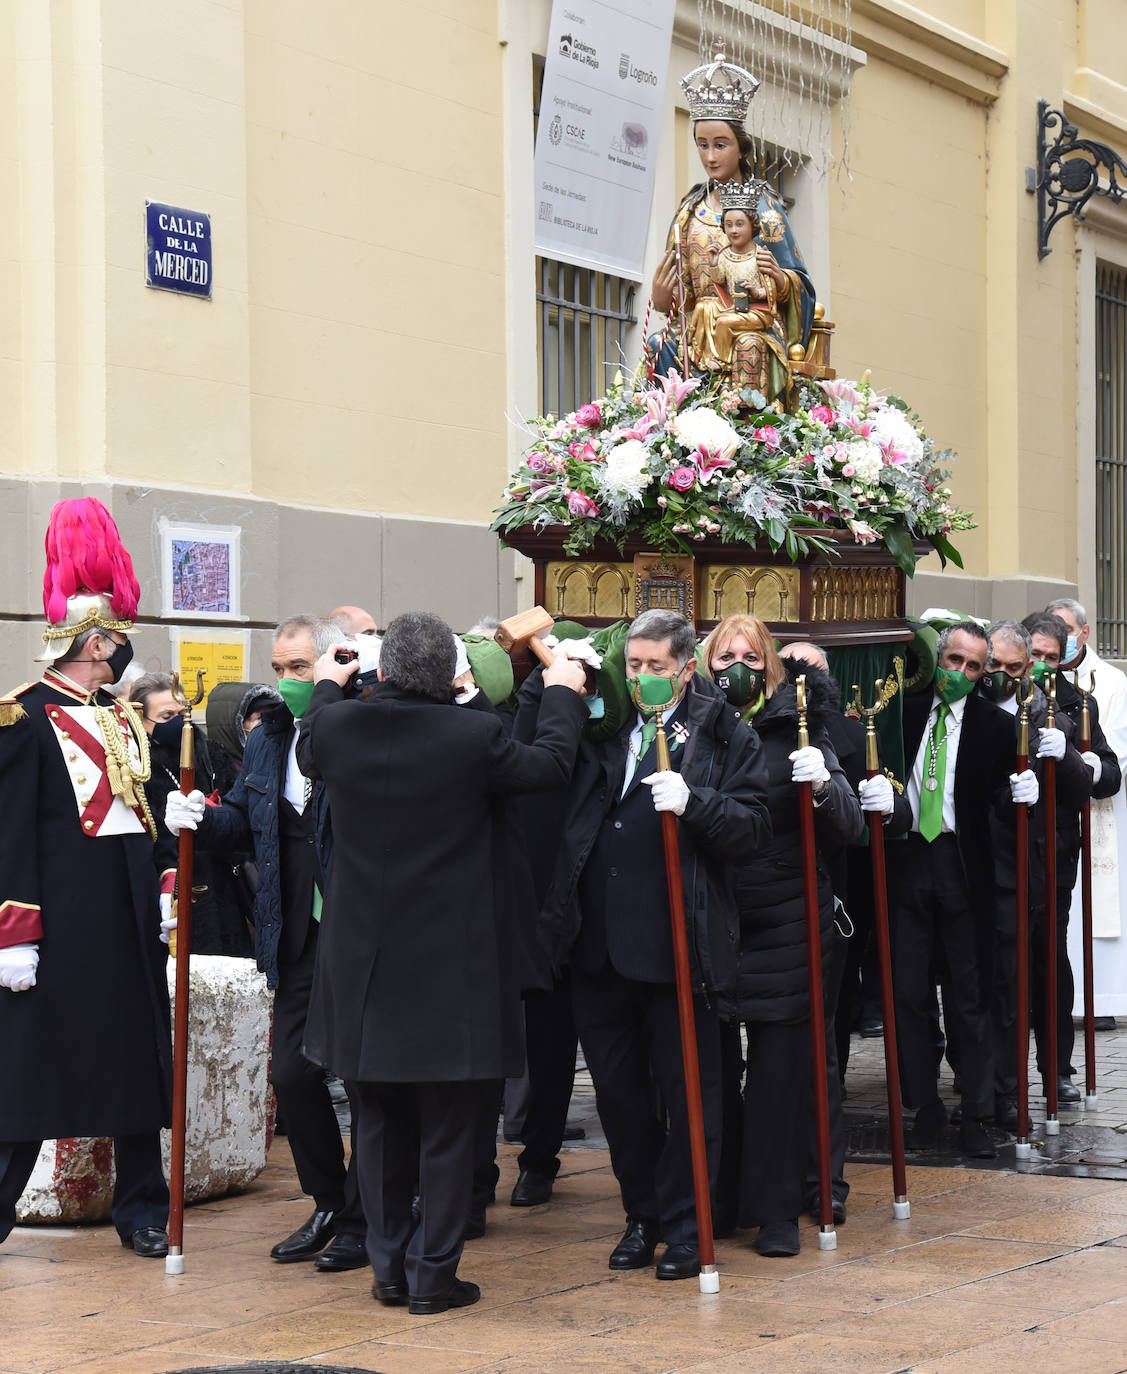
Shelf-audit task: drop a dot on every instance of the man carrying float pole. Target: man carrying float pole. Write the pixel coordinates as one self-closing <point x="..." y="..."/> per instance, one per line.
<point x="83" y="999"/>
<point x="607" y="913"/>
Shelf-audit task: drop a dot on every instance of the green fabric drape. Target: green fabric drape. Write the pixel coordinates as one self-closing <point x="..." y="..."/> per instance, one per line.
<point x="862" y="665"/>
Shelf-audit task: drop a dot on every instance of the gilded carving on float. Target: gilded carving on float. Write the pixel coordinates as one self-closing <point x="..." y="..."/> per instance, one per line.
<point x="854" y="594"/>
<point x="664" y="582"/>
<point x="770" y="593"/>
<point x="579" y="590"/>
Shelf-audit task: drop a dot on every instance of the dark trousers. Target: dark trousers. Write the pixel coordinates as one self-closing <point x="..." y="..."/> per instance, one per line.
<point x="140" y="1194"/>
<point x="488" y="1093"/>
<point x="1066" y="987"/>
<point x="631" y="1040"/>
<point x="1003" y="999"/>
<point x="409" y="1132"/>
<point x="550" y="1044"/>
<point x="835" y="952"/>
<point x="934" y="928"/>
<point x="304" y="1101"/>
<point x="776" y="1122"/>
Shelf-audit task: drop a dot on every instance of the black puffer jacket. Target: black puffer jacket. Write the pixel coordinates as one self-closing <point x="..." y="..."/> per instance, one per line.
<point x="772" y="978"/>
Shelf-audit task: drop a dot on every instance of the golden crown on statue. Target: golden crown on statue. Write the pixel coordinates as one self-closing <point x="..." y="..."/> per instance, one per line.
<point x="710" y="97"/>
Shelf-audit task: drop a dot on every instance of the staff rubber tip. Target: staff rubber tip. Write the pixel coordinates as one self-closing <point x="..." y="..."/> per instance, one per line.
<point x="1052" y="1126"/>
<point x="901" y="1211"/>
<point x="174" y="1264"/>
<point x="1091" y="1101"/>
<point x="709" y="1281"/>
<point x="827" y="1240"/>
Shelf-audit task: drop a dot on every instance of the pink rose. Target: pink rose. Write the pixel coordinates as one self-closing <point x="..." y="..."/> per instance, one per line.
<point x="847" y="470"/>
<point x="823" y="414"/>
<point x="769" y="435"/>
<point x="540" y="462"/>
<point x="584" y="453"/>
<point x="589" y="416"/>
<point x="681" y="479"/>
<point x="578" y="504"/>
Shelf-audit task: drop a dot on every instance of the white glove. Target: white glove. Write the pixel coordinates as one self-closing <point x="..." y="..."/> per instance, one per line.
<point x="809" y="765"/>
<point x="368" y="652"/>
<point x="17" y="967"/>
<point x="581" y="650"/>
<point x="877" y="795"/>
<point x="1024" y="789"/>
<point x="1095" y="763"/>
<point x="461" y="659"/>
<point x="670" y="791"/>
<point x="1052" y="743"/>
<point x="167" y="920"/>
<point x="183" y="812"/>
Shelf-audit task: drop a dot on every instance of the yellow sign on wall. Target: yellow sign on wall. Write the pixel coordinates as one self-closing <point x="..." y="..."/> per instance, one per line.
<point x="222" y="654"/>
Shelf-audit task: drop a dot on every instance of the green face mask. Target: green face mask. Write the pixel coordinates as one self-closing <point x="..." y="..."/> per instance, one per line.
<point x="296" y="695"/>
<point x="952" y="685"/>
<point x="1042" y="673"/>
<point x="998" y="686"/>
<point x="740" y="684"/>
<point x="655" y="691"/>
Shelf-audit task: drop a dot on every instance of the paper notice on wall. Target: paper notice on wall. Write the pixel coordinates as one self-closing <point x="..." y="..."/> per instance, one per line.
<point x="221" y="654"/>
<point x="598" y="133"/>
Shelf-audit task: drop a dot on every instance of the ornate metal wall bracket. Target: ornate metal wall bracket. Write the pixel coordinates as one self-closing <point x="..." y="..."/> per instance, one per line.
<point x="1070" y="171"/>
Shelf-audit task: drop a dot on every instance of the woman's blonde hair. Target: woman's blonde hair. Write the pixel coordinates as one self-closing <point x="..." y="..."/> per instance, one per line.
<point x="757" y="635"/>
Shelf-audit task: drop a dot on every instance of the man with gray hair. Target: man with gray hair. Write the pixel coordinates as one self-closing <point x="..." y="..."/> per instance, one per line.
<point x="607" y="911"/>
<point x="278" y="810"/>
<point x="1108" y="686"/>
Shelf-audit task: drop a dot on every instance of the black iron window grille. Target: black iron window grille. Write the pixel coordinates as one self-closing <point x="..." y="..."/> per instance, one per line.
<point x="583" y="319"/>
<point x="1111" y="460"/>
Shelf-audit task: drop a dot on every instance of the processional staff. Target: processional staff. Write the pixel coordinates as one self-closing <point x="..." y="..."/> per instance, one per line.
<point x="827" y="1236"/>
<point x="1052" y="1122"/>
<point x="901" y="1207"/>
<point x="1021" y="904"/>
<point x="174" y="1263"/>
<point x="1090" y="1097"/>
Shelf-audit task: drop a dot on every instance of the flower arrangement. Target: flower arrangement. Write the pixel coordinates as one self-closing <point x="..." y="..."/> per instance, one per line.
<point x="677" y="462"/>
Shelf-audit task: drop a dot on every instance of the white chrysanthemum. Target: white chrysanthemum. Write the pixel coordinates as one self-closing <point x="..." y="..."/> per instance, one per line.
<point x="703" y="428"/>
<point x="625" y="472"/>
<point x="866" y="460"/>
<point x="892" y="427"/>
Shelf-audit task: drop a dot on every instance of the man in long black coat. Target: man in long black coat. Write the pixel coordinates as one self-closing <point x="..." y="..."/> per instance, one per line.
<point x="409" y="995"/>
<point x="84" y="1030"/>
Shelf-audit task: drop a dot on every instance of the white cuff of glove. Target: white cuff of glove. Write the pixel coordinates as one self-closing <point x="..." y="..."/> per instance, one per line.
<point x="1024" y="789"/>
<point x="670" y="791"/>
<point x="876" y="794"/>
<point x="1095" y="763"/>
<point x="167" y="920"/>
<point x="183" y="812"/>
<point x="809" y="765"/>
<point x="1051" y="744"/>
<point x="17" y="967"/>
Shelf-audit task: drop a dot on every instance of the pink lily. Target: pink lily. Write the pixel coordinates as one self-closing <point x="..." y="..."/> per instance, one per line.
<point x="710" y="463"/>
<point x="675" y="389"/>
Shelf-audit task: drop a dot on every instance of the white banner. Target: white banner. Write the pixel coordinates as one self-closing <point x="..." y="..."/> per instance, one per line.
<point x="597" y="139"/>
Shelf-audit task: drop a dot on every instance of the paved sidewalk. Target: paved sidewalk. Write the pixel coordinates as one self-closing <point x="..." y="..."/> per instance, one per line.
<point x="993" y="1273"/>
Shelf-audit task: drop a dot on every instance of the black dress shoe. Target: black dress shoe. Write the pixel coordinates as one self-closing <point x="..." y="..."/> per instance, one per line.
<point x="307" y="1240"/>
<point x="679" y="1262"/>
<point x="460" y="1294"/>
<point x="1103" y="1023"/>
<point x="391" y="1294"/>
<point x="636" y="1248"/>
<point x="575" y="1133"/>
<point x="1005" y="1113"/>
<point x="974" y="1139"/>
<point x="871" y="1029"/>
<point x="531" y="1189"/>
<point x="778" y="1240"/>
<point x="838" y="1210"/>
<point x="474" y="1228"/>
<point x="150" y="1242"/>
<point x="347" y="1251"/>
<point x="1067" y="1091"/>
<point x="927" y="1129"/>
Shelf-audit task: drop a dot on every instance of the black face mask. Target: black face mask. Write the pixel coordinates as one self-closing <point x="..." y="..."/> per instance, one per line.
<point x="740" y="684"/>
<point x="167" y="733"/>
<point x="119" y="660"/>
<point x="998" y="686"/>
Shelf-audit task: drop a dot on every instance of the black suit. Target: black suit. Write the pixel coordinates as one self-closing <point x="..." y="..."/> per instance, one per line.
<point x="412" y="993"/>
<point x="941" y="905"/>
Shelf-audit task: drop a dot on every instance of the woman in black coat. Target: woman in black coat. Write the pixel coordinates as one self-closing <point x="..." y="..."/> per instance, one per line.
<point x="772" y="991"/>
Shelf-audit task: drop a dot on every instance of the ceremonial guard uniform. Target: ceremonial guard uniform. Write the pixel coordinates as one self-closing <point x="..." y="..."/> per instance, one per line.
<point x="84" y="1017"/>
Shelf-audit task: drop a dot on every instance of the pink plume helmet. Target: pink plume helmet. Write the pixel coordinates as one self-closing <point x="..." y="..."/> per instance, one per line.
<point x="85" y="554"/>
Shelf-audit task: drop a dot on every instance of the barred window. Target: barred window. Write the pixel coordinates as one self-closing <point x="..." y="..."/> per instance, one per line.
<point x="582" y="319"/>
<point x="1111" y="460"/>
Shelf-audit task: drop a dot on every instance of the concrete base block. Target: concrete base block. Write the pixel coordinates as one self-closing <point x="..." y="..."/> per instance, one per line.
<point x="230" y="1104"/>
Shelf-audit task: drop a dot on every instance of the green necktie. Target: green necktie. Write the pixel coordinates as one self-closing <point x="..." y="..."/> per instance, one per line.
<point x="649" y="734"/>
<point x="935" y="773"/>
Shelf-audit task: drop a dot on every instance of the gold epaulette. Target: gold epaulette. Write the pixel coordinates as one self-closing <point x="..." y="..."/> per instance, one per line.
<point x="899" y="786"/>
<point x="10" y="708"/>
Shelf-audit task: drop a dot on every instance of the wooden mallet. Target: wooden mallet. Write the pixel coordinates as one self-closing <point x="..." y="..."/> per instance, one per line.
<point x="523" y="631"/>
